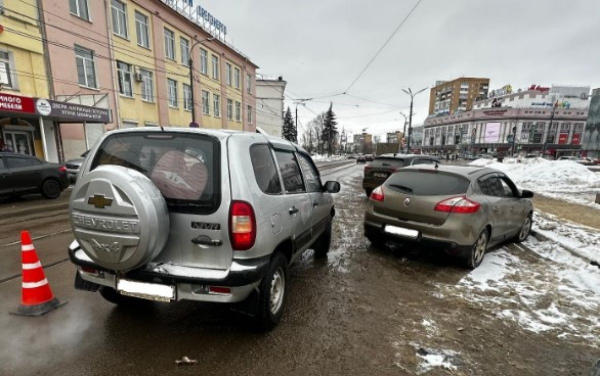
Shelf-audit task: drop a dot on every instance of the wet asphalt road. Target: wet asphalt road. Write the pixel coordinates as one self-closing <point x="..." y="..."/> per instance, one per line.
<point x="358" y="312"/>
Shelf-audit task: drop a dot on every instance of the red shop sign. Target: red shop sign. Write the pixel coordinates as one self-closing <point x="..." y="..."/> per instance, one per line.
<point x="562" y="138"/>
<point x="576" y="139"/>
<point x="16" y="103"/>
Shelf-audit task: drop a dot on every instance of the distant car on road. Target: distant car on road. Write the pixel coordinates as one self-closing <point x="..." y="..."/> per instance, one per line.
<point x="586" y="161"/>
<point x="384" y="165"/>
<point x="73" y="166"/>
<point x="461" y="209"/>
<point x="369" y="157"/>
<point x="23" y="174"/>
<point x="568" y="158"/>
<point x="361" y="159"/>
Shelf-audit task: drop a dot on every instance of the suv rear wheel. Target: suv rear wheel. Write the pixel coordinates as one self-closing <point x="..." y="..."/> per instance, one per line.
<point x="273" y="291"/>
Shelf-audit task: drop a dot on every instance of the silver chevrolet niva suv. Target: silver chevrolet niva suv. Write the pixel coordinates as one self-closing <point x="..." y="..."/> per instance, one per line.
<point x="189" y="214"/>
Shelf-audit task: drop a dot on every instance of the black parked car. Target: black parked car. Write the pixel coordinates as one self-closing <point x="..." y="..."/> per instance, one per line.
<point x="22" y="174"/>
<point x="377" y="172"/>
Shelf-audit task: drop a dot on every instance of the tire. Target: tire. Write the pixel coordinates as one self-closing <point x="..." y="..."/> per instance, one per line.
<point x="323" y="244"/>
<point x="51" y="189"/>
<point x="111" y="295"/>
<point x="368" y="191"/>
<point x="478" y="250"/>
<point x="525" y="230"/>
<point x="270" y="307"/>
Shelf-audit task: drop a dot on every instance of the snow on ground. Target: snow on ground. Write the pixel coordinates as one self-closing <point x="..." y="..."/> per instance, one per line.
<point x="579" y="240"/>
<point x="556" y="292"/>
<point x="563" y="180"/>
<point x="325" y="158"/>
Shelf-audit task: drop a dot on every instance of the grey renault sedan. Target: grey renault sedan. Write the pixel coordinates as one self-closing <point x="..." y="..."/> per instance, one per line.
<point x="464" y="210"/>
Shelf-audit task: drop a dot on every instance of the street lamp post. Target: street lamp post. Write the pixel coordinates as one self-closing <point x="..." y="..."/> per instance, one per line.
<point x="191" y="65"/>
<point x="302" y="102"/>
<point x="549" y="128"/>
<point x="412" y="97"/>
<point x="405" y="123"/>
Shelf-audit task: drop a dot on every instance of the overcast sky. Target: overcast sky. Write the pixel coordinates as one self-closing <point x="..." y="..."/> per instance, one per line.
<point x="320" y="47"/>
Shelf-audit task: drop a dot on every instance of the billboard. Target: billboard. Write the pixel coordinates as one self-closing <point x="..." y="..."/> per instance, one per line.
<point x="492" y="133"/>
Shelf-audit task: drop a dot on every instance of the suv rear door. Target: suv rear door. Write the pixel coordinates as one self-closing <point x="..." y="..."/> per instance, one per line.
<point x="297" y="199"/>
<point x="321" y="202"/>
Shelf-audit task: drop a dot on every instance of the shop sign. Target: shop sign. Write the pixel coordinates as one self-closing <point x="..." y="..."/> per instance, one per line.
<point x="505" y="90"/>
<point x="537" y="138"/>
<point x="562" y="138"/>
<point x="72" y="111"/>
<point x="524" y="138"/>
<point x="16" y="103"/>
<point x="576" y="139"/>
<point x="494" y="112"/>
<point x="539" y="88"/>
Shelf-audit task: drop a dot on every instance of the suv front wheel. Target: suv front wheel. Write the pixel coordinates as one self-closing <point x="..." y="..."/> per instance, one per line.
<point x="273" y="290"/>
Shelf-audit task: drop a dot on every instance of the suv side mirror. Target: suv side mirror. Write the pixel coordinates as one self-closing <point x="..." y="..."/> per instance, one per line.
<point x="526" y="194"/>
<point x="332" y="187"/>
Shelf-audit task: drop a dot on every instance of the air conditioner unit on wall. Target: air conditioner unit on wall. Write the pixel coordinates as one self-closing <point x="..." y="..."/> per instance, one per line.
<point x="137" y="74"/>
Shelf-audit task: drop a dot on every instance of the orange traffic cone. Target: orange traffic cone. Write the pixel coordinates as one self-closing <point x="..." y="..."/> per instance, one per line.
<point x="36" y="298"/>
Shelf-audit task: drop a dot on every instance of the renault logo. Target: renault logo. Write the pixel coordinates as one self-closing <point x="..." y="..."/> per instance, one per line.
<point x="100" y="201"/>
<point x="407" y="202"/>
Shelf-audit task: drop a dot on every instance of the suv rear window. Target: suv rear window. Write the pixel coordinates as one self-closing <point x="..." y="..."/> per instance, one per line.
<point x="427" y="183"/>
<point x="184" y="167"/>
<point x="388" y="162"/>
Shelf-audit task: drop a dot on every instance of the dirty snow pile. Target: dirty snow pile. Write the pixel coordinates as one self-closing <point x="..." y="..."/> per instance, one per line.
<point x="325" y="158"/>
<point x="563" y="180"/>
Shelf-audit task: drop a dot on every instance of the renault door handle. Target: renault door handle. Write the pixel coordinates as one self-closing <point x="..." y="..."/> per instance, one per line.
<point x="315" y="204"/>
<point x="294" y="210"/>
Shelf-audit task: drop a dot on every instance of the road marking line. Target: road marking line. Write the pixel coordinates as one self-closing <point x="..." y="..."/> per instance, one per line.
<point x="33" y="285"/>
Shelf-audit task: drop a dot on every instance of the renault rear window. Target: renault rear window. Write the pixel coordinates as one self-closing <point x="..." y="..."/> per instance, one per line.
<point x="184" y="167"/>
<point x="427" y="183"/>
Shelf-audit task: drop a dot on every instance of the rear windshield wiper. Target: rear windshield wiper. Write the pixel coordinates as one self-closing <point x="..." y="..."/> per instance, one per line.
<point x="401" y="187"/>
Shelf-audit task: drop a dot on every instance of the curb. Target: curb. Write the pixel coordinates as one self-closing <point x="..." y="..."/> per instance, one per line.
<point x="571" y="250"/>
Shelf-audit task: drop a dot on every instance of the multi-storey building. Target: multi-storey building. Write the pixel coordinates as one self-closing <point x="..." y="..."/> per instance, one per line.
<point x="536" y="128"/>
<point x="449" y="97"/>
<point x="134" y="57"/>
<point x="269" y="102"/>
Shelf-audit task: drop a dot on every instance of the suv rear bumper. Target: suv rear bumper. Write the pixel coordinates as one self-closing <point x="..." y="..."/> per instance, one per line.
<point x="191" y="283"/>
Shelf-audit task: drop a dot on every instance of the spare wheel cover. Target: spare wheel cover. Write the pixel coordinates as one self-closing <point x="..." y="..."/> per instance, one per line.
<point x="119" y="217"/>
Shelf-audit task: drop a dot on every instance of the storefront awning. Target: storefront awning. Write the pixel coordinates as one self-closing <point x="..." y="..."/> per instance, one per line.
<point x="62" y="112"/>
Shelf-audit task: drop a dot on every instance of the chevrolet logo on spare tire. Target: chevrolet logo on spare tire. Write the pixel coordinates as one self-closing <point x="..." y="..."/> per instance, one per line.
<point x="100" y="201"/>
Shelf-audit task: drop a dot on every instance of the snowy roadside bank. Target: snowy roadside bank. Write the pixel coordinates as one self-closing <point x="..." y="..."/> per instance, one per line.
<point x="563" y="180"/>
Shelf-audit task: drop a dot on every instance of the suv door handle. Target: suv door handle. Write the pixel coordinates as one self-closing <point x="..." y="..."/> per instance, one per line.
<point x="315" y="204"/>
<point x="294" y="210"/>
<point x="205" y="240"/>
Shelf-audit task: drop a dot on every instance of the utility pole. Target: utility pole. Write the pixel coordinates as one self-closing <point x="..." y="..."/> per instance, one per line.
<point x="191" y="66"/>
<point x="302" y="102"/>
<point x="550" y="128"/>
<point x="412" y="97"/>
<point x="405" y="123"/>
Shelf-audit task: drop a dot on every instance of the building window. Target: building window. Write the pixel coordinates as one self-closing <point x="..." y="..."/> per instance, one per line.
<point x="78" y="8"/>
<point x="217" y="105"/>
<point x="141" y="28"/>
<point x="169" y="44"/>
<point x="228" y="74"/>
<point x="203" y="61"/>
<point x="119" y="18"/>
<point x="205" y="102"/>
<point x="229" y="109"/>
<point x="5" y="70"/>
<point x="172" y="92"/>
<point x="238" y="110"/>
<point x="187" y="97"/>
<point x="185" y="51"/>
<point x="248" y="83"/>
<point x="147" y="85"/>
<point x="86" y="68"/>
<point x="124" y="73"/>
<point x="236" y="78"/>
<point x="215" y="67"/>
<point x="249" y="114"/>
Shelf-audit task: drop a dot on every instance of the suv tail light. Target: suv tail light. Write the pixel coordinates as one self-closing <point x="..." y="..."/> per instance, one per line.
<point x="242" y="225"/>
<point x="461" y="205"/>
<point x="62" y="169"/>
<point x="377" y="194"/>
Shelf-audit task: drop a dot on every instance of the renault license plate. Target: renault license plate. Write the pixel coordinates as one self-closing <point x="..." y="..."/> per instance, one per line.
<point x="380" y="175"/>
<point x="401" y="231"/>
<point x="143" y="290"/>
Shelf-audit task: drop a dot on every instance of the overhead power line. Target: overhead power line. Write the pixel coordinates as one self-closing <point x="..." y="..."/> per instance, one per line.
<point x="382" y="47"/>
